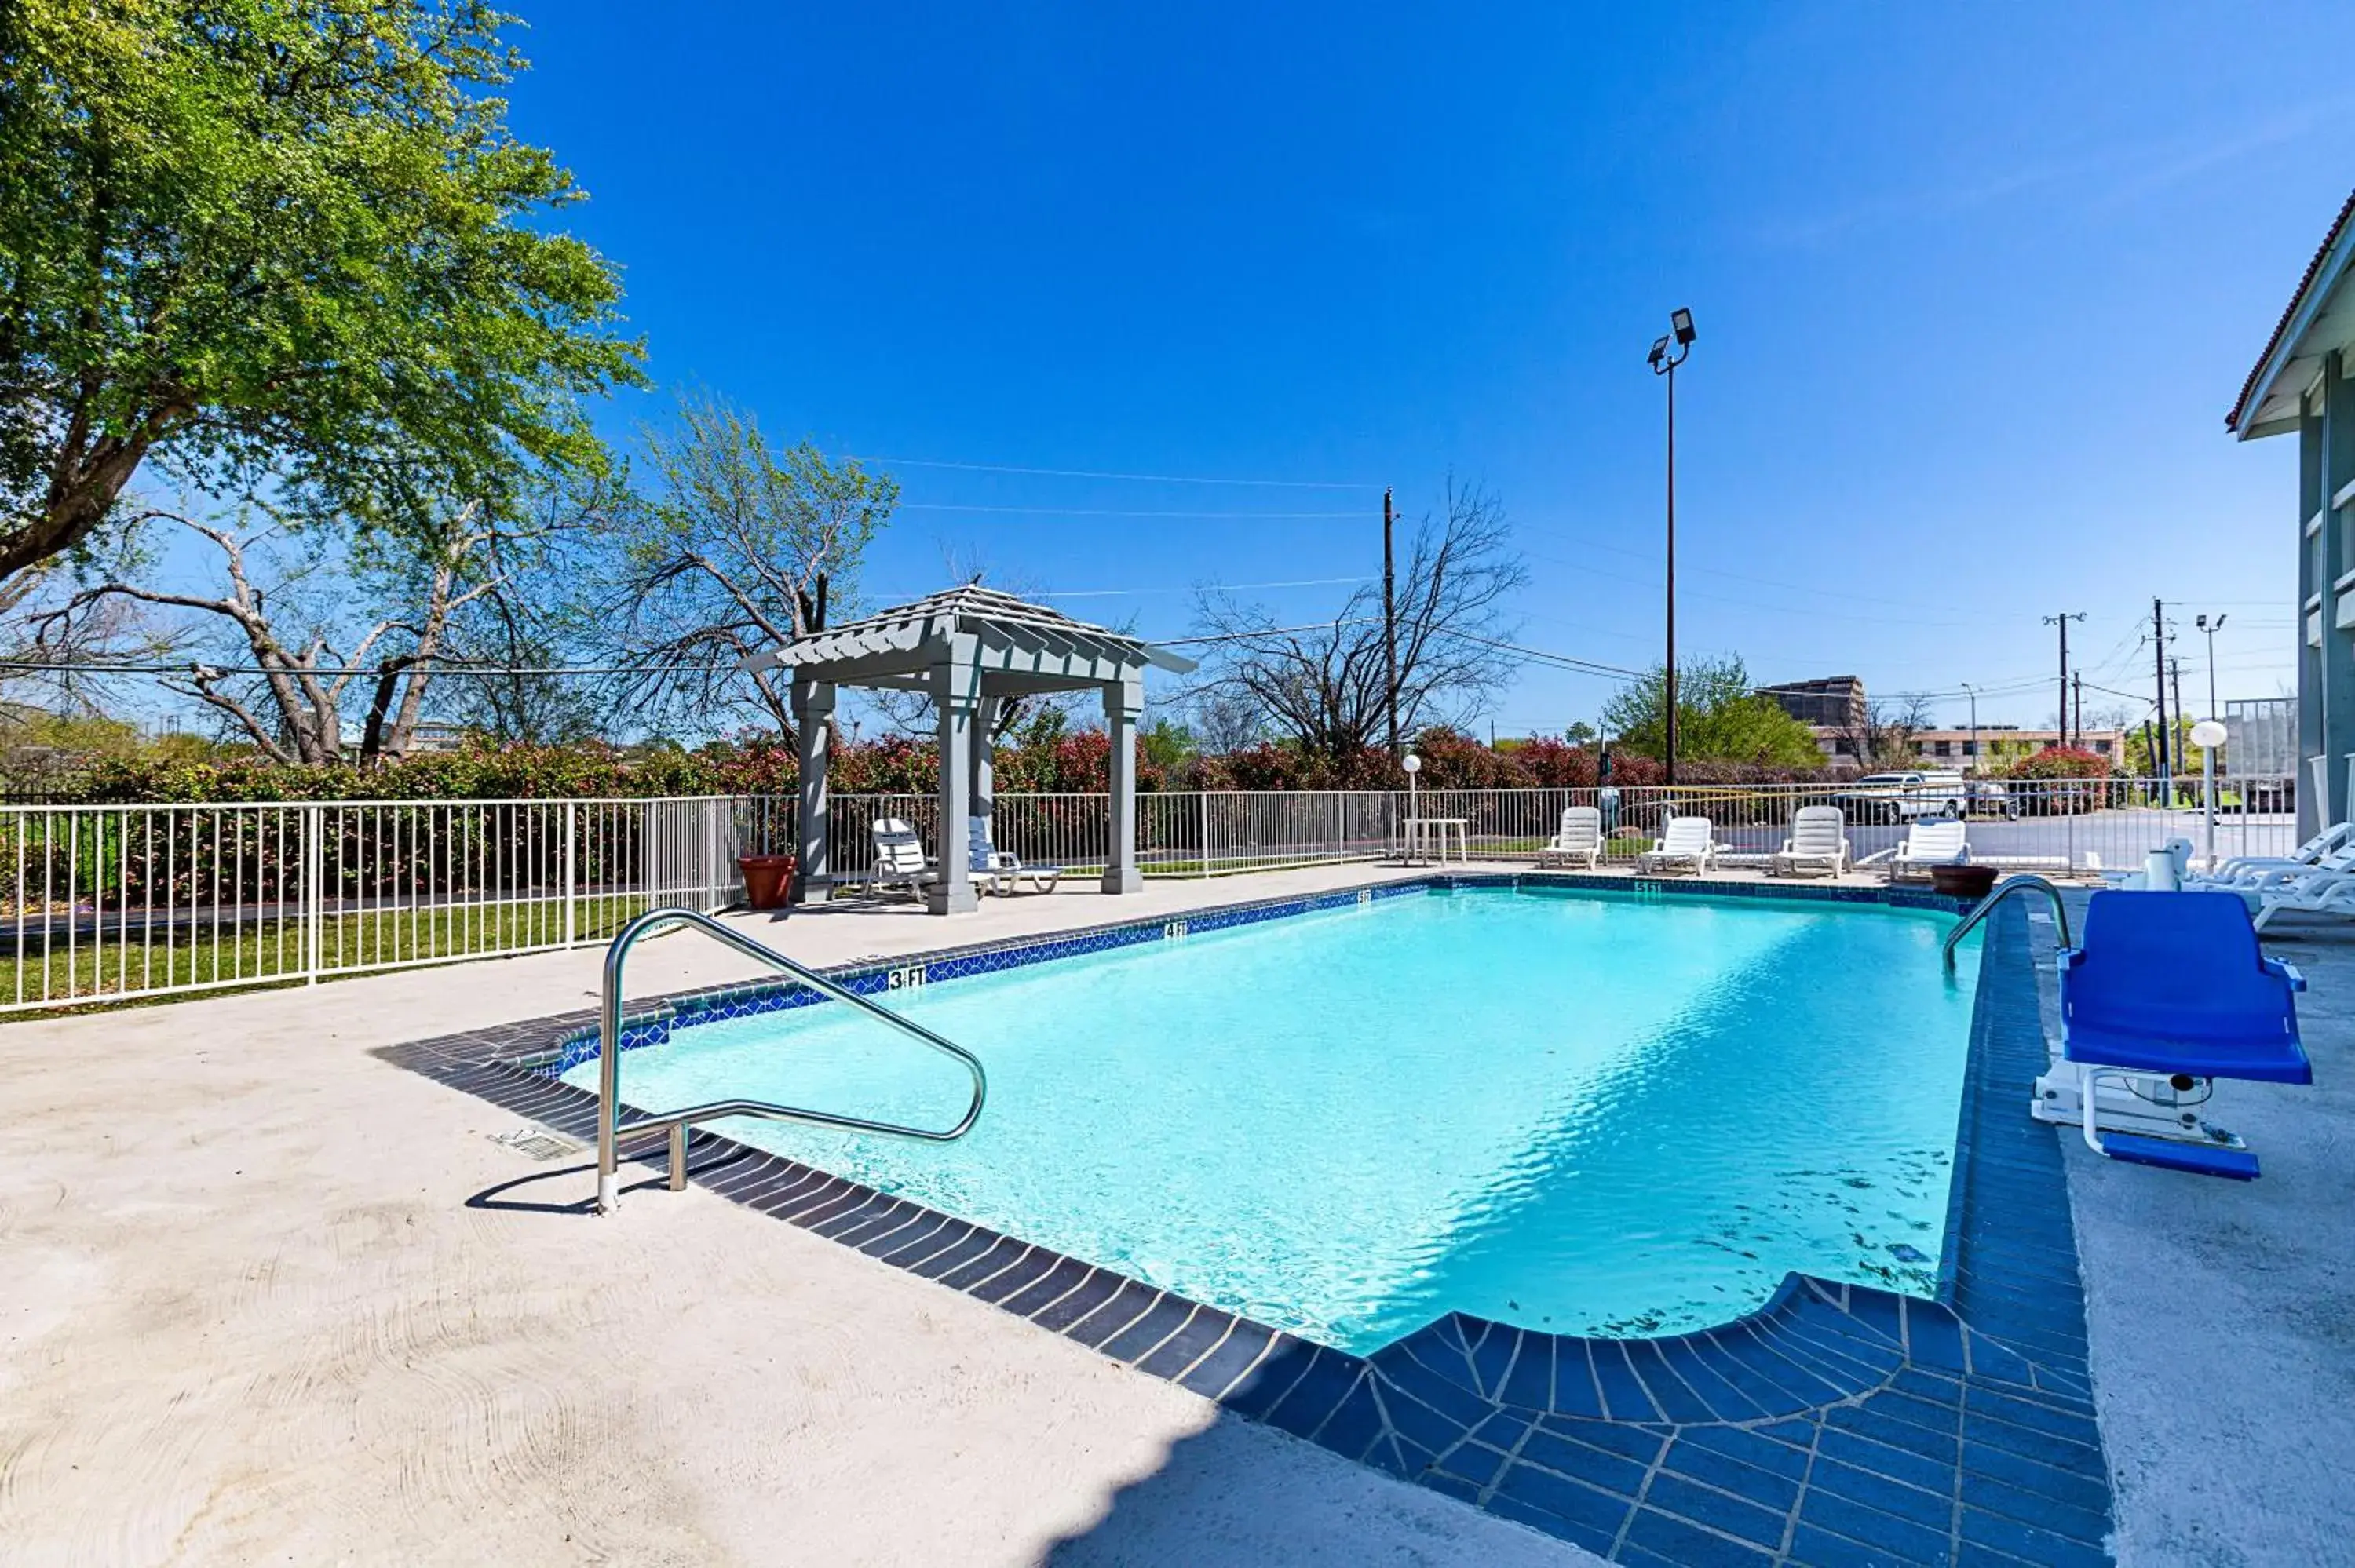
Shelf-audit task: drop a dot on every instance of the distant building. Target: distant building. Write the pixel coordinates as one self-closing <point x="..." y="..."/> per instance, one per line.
<point x="1996" y="746"/>
<point x="2304" y="382"/>
<point x="1836" y="701"/>
<point x="433" y="734"/>
<point x="1957" y="751"/>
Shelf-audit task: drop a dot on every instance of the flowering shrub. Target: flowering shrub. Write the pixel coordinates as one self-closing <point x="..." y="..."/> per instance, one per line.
<point x="2061" y="762"/>
<point x="1042" y="761"/>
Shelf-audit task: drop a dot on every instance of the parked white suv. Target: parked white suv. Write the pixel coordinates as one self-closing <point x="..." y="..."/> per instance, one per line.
<point x="1904" y="797"/>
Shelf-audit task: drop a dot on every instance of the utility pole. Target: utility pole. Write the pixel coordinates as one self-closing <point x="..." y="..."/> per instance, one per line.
<point x="2175" y="688"/>
<point x="2061" y="718"/>
<point x="2159" y="664"/>
<point x="1390" y="623"/>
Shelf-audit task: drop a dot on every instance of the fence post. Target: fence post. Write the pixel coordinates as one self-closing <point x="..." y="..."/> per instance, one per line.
<point x="1203" y="803"/>
<point x="314" y="858"/>
<point x="711" y="853"/>
<point x="649" y="857"/>
<point x="572" y="809"/>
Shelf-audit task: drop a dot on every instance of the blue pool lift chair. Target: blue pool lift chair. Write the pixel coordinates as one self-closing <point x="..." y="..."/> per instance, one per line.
<point x="2165" y="992"/>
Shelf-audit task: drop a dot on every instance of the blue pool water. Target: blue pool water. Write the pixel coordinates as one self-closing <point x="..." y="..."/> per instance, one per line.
<point x="1577" y="1113"/>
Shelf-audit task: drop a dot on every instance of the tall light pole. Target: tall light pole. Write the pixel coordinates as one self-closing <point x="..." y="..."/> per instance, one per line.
<point x="1665" y="360"/>
<point x="2211" y="628"/>
<point x="1974" y="691"/>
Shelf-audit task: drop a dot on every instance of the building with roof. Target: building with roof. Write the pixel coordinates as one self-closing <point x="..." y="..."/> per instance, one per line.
<point x="2304" y="384"/>
<point x="1833" y="699"/>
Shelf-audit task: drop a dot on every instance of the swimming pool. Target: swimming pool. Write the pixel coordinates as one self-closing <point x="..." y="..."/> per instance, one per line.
<point x="1572" y="1111"/>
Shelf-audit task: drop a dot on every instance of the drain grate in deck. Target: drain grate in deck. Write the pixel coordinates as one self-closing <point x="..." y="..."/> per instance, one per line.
<point x="538" y="1143"/>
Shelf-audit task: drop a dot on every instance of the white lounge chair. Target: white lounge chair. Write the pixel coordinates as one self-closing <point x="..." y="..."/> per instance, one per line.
<point x="1817" y="845"/>
<point x="900" y="863"/>
<point x="1686" y="844"/>
<point x="1579" y="842"/>
<point x="2316" y="892"/>
<point x="1000" y="871"/>
<point x="2333" y="848"/>
<point x="1924" y="845"/>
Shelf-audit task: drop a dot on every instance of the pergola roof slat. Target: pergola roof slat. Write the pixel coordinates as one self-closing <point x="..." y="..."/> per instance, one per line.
<point x="997" y="619"/>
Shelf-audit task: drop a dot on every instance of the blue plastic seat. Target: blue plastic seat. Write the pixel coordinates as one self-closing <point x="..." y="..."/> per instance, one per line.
<point x="2174" y="982"/>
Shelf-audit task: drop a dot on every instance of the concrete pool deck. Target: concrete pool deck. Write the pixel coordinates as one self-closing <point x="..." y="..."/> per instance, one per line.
<point x="271" y="1296"/>
<point x="2221" y="1314"/>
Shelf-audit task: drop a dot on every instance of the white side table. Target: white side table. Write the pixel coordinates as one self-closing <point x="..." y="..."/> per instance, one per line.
<point x="1425" y="833"/>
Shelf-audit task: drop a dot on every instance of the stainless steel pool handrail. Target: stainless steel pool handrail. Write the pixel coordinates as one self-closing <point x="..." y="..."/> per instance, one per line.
<point x="610" y="1131"/>
<point x="2009" y="885"/>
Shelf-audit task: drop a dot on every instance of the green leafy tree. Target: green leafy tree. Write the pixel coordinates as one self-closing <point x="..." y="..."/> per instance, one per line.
<point x="1720" y="717"/>
<point x="723" y="554"/>
<point x="280" y="243"/>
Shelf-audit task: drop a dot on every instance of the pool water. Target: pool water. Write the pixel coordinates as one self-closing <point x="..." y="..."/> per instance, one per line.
<point x="1585" y="1113"/>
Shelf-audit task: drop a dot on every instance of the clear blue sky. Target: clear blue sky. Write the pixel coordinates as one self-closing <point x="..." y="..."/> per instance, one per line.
<point x="1974" y="293"/>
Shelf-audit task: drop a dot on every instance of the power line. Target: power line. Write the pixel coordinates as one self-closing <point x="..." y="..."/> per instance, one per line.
<point x="1134" y="478"/>
<point x="1101" y="512"/>
<point x="1129" y="593"/>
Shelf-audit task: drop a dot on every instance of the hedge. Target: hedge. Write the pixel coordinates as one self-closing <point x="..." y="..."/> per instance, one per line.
<point x="1074" y="762"/>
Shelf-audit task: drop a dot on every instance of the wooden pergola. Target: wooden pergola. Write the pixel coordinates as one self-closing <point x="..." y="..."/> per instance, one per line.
<point x="969" y="650"/>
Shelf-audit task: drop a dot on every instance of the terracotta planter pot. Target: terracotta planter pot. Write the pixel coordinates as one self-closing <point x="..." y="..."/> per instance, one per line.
<point x="1971" y="881"/>
<point x="767" y="879"/>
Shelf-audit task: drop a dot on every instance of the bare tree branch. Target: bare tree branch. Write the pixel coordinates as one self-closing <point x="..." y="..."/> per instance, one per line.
<point x="1327" y="689"/>
<point x="722" y="552"/>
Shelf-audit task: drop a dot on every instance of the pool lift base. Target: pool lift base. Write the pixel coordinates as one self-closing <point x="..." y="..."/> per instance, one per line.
<point x="2148" y="1105"/>
<point x="2145" y="1118"/>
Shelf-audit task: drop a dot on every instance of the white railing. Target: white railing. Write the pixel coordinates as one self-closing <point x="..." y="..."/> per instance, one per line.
<point x="107" y="903"/>
<point x="111" y="903"/>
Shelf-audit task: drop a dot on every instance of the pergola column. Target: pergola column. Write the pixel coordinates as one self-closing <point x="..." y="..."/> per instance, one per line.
<point x="956" y="695"/>
<point x="813" y="722"/>
<point x="982" y="788"/>
<point x="1124" y="701"/>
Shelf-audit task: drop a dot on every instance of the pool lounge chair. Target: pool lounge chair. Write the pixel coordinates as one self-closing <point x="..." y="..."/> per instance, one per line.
<point x="2251" y="876"/>
<point x="998" y="871"/>
<point x="2316" y="891"/>
<point x="900" y="863"/>
<point x="1685" y="844"/>
<point x="2165" y="992"/>
<point x="1818" y="844"/>
<point x="2332" y="849"/>
<point x="1579" y="842"/>
<point x="1926" y="845"/>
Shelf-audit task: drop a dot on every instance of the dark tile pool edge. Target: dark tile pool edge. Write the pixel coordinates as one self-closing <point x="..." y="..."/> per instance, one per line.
<point x="1839" y="1424"/>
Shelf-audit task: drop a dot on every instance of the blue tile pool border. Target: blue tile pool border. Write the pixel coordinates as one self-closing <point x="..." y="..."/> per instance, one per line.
<point x="1839" y="1424"/>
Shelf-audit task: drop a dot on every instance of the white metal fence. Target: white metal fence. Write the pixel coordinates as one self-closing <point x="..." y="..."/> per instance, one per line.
<point x="109" y="902"/>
